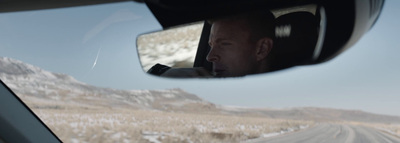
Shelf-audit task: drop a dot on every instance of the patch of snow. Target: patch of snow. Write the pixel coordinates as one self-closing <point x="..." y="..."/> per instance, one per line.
<point x="304" y="126"/>
<point x="73" y="124"/>
<point x="140" y="91"/>
<point x="241" y="127"/>
<point x="290" y="130"/>
<point x="74" y="140"/>
<point x="201" y="128"/>
<point x="169" y="95"/>
<point x="270" y="135"/>
<point x="118" y="135"/>
<point x="152" y="136"/>
<point x="150" y="97"/>
<point x="233" y="108"/>
<point x="125" y="141"/>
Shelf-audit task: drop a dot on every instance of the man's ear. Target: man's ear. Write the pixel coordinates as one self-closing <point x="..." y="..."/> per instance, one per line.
<point x="264" y="47"/>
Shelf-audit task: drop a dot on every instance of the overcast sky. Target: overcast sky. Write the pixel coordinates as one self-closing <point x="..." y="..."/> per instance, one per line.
<point x="365" y="77"/>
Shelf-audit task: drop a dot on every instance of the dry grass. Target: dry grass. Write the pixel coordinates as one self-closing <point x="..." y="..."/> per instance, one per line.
<point x="393" y="129"/>
<point x="108" y="125"/>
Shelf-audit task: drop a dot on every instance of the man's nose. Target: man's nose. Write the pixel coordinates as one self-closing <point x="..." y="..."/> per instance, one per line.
<point x="212" y="55"/>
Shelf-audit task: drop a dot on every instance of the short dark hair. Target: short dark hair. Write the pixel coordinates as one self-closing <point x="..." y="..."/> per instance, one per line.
<point x="261" y="23"/>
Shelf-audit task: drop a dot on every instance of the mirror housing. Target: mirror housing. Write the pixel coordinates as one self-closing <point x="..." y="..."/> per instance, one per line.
<point x="336" y="30"/>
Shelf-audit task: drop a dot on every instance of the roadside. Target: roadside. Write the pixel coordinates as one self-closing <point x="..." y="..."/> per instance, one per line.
<point x="93" y="125"/>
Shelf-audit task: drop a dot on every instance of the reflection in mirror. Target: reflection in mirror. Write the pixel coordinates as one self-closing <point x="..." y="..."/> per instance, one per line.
<point x="248" y="43"/>
<point x="174" y="47"/>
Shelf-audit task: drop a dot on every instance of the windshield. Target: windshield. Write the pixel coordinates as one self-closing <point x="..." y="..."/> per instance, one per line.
<point x="79" y="71"/>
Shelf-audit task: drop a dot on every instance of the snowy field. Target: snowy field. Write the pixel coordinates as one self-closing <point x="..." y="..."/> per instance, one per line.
<point x="107" y="125"/>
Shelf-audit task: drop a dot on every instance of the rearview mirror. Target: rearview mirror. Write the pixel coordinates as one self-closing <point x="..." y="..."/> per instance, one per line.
<point x="303" y="35"/>
<point x="236" y="45"/>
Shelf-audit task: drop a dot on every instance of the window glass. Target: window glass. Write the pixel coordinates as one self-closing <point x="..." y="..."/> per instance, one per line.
<point x="78" y="69"/>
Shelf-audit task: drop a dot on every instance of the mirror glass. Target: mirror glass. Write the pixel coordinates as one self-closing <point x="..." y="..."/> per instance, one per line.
<point x="236" y="45"/>
<point x="174" y="47"/>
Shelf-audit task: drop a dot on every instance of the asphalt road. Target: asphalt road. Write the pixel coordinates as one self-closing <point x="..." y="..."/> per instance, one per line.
<point x="333" y="133"/>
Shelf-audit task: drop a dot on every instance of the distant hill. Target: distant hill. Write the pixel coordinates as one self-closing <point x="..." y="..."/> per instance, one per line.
<point x="44" y="89"/>
<point x="314" y="113"/>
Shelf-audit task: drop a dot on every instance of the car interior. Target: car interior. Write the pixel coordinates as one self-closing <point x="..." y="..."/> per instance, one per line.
<point x="322" y="33"/>
<point x="18" y="123"/>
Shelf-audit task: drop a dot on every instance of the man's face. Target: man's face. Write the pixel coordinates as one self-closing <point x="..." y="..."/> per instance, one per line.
<point x="232" y="53"/>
